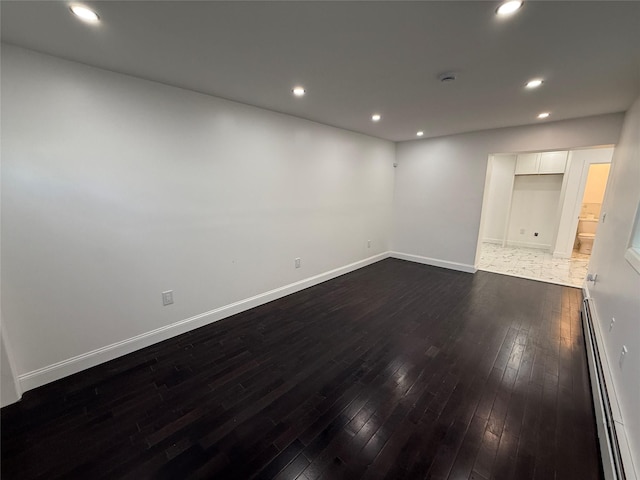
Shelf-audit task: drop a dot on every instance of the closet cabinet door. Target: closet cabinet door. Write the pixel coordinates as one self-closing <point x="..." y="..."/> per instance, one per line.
<point x="527" y="163"/>
<point x="553" y="162"/>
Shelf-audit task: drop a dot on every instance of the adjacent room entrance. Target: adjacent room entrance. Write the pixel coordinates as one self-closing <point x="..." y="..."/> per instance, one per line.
<point x="541" y="212"/>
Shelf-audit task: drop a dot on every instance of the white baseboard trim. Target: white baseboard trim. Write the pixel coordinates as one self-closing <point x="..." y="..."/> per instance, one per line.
<point x="630" y="470"/>
<point x="558" y="254"/>
<point x="493" y="240"/>
<point x="539" y="246"/>
<point x="461" y="267"/>
<point x="50" y="373"/>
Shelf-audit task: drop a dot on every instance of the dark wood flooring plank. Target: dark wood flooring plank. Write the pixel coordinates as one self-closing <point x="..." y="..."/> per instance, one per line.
<point x="396" y="370"/>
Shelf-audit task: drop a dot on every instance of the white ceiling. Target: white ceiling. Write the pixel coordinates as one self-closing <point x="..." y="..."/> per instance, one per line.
<point x="356" y="58"/>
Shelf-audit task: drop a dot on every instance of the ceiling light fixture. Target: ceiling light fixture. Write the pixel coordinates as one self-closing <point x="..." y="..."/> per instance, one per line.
<point x="376" y="117"/>
<point x="535" y="83"/>
<point x="298" y="91"/>
<point x="84" y="13"/>
<point x="420" y="133"/>
<point x="544" y="115"/>
<point x="509" y="8"/>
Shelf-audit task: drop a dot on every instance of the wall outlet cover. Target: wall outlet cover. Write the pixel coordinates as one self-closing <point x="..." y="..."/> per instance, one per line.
<point x="167" y="297"/>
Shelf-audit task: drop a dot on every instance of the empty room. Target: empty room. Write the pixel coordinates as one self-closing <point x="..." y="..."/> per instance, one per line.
<point x="320" y="240"/>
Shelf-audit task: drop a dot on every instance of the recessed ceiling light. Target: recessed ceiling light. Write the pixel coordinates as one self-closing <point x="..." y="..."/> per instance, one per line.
<point x="535" y="83"/>
<point x="544" y="115"/>
<point x="376" y="117"/>
<point x="84" y="13"/>
<point x="508" y="8"/>
<point x="298" y="91"/>
<point x="420" y="133"/>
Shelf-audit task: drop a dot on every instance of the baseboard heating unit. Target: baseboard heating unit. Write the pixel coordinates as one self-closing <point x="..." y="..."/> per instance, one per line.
<point x="612" y="463"/>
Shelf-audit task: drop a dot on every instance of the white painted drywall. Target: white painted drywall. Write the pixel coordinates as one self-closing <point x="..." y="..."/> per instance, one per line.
<point x="439" y="182"/>
<point x="574" y="184"/>
<point x="534" y="209"/>
<point x="498" y="201"/>
<point x="616" y="293"/>
<point x="116" y="189"/>
<point x="10" y="391"/>
<point x="9" y="387"/>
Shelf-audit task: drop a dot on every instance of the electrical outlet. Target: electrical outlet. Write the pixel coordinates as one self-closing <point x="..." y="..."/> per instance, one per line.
<point x="522" y="231"/>
<point x="167" y="297"/>
<point x="613" y="320"/>
<point x="297" y="262"/>
<point x="368" y="243"/>
<point x="623" y="354"/>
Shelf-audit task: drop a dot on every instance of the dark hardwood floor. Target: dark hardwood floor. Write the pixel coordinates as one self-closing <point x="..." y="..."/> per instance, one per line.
<point x="397" y="370"/>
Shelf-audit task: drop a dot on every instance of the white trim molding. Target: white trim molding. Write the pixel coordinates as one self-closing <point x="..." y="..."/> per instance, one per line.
<point x="632" y="255"/>
<point x="50" y="373"/>
<point x="461" y="267"/>
<point x="539" y="246"/>
<point x="498" y="241"/>
<point x="608" y="450"/>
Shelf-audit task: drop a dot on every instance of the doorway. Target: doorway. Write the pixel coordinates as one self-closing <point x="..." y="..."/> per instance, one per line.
<point x="590" y="209"/>
<point x="540" y="213"/>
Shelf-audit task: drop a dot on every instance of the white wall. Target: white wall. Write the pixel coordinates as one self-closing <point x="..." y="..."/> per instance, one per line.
<point x="439" y="182"/>
<point x="9" y="387"/>
<point x="575" y="178"/>
<point x="116" y="189"/>
<point x="534" y="210"/>
<point x="616" y="293"/>
<point x="498" y="197"/>
<point x="10" y="391"/>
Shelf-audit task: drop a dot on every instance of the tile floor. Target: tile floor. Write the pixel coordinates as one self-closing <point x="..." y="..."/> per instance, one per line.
<point x="535" y="264"/>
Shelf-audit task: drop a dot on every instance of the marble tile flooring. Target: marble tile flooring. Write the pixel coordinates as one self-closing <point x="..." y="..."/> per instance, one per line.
<point x="534" y="264"/>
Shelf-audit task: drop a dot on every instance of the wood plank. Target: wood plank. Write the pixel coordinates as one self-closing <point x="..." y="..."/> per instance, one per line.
<point x="396" y="370"/>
